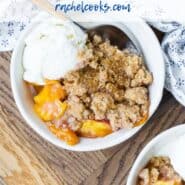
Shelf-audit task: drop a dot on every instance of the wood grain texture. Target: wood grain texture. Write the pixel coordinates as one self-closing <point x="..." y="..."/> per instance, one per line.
<point x="27" y="159"/>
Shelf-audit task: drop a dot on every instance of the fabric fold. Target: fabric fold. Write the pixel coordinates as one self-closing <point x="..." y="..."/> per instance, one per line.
<point x="173" y="46"/>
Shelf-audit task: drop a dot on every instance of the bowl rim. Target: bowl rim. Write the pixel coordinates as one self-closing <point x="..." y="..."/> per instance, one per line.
<point x="149" y="146"/>
<point x="109" y="144"/>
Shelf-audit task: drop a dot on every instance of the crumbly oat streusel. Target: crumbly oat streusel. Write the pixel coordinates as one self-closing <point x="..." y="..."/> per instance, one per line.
<point x="158" y="171"/>
<point x="112" y="85"/>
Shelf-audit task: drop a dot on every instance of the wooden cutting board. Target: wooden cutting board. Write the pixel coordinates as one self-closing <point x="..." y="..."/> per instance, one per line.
<point x="27" y="159"/>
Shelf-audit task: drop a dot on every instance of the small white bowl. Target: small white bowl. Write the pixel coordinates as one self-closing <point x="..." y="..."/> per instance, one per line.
<point x="154" y="148"/>
<point x="142" y="35"/>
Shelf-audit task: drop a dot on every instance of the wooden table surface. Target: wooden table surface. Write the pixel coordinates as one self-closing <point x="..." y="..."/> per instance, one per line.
<point x="27" y="159"/>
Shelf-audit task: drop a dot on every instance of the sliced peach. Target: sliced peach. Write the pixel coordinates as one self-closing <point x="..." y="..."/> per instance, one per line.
<point x="92" y="129"/>
<point x="66" y="135"/>
<point x="49" y="111"/>
<point x="160" y="182"/>
<point x="38" y="88"/>
<point x="141" y="121"/>
<point x="50" y="92"/>
<point x="48" y="82"/>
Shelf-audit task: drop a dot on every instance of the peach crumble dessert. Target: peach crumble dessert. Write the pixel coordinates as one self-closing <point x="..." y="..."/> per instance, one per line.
<point x="159" y="171"/>
<point x="108" y="91"/>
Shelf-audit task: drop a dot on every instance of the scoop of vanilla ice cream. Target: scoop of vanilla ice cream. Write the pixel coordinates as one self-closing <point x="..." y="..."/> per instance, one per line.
<point x="52" y="49"/>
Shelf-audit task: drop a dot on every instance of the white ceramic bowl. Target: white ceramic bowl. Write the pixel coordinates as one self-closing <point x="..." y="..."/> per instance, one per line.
<point x="154" y="148"/>
<point x="142" y="35"/>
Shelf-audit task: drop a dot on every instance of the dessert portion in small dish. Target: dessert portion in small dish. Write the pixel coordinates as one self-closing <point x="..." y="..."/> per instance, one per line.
<point x="90" y="90"/>
<point x="159" y="171"/>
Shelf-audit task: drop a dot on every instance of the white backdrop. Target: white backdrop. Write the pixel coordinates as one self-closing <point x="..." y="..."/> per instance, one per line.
<point x="155" y="10"/>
